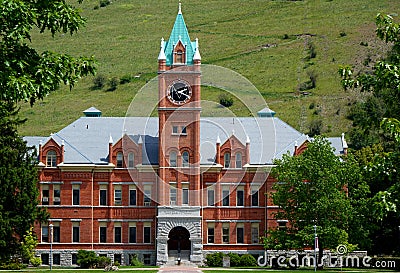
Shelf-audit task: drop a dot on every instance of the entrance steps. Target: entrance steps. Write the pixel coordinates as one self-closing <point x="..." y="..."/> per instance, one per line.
<point x="173" y="258"/>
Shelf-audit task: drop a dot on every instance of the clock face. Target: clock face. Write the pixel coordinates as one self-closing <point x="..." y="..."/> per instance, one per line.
<point x="179" y="92"/>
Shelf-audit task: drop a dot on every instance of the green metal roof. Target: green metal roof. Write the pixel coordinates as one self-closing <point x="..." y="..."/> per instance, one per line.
<point x="179" y="33"/>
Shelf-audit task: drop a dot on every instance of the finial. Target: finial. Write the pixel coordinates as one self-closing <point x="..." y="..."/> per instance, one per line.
<point x="197" y="52"/>
<point x="162" y="56"/>
<point x="62" y="142"/>
<point x="295" y="144"/>
<point x="233" y="132"/>
<point x="180" y="8"/>
<point x="40" y="142"/>
<point x="218" y="139"/>
<point x="111" y="141"/>
<point x="247" y="139"/>
<point x="344" y="142"/>
<point x="140" y="140"/>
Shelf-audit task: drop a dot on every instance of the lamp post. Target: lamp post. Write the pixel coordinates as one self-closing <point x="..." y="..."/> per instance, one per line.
<point x="51" y="246"/>
<point x="315" y="247"/>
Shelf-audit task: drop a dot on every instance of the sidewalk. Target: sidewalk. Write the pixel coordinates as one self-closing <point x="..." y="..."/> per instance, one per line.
<point x="182" y="269"/>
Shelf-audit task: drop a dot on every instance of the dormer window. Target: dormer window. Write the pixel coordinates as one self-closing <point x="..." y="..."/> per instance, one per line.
<point x="227" y="160"/>
<point x="120" y="160"/>
<point x="51" y="159"/>
<point x="179" y="56"/>
<point x="179" y="53"/>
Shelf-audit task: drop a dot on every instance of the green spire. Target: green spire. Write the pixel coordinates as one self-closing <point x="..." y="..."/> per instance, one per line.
<point x="179" y="33"/>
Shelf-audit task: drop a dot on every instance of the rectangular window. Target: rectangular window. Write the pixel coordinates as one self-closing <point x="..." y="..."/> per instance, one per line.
<point x="147" y="196"/>
<point x="172" y="194"/>
<point x="210" y="234"/>
<point x="118" y="258"/>
<point x="117" y="197"/>
<point x="185" y="196"/>
<point x="75" y="232"/>
<point x="132" y="197"/>
<point x="210" y="198"/>
<point x="56" y="195"/>
<point x="175" y="130"/>
<point x="103" y="197"/>
<point x="56" y="259"/>
<point x="45" y="195"/>
<point x="225" y="198"/>
<point x="254" y="233"/>
<point x="225" y="234"/>
<point x="147" y="234"/>
<point x="103" y="234"/>
<point x="56" y="233"/>
<point x="75" y="195"/>
<point x="147" y="259"/>
<point x="74" y="258"/>
<point x="184" y="132"/>
<point x="117" y="234"/>
<point x="282" y="224"/>
<point x="239" y="197"/>
<point x="132" y="234"/>
<point x="131" y="162"/>
<point x="45" y="234"/>
<point x="240" y="235"/>
<point x="45" y="258"/>
<point x="254" y="198"/>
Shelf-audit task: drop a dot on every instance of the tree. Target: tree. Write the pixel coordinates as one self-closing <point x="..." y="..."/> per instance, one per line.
<point x="311" y="191"/>
<point x="382" y="84"/>
<point x="19" y="195"/>
<point x="25" y="74"/>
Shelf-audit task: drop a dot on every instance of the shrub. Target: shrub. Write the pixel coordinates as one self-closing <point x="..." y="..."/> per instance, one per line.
<point x="134" y="261"/>
<point x="214" y="259"/>
<point x="248" y="260"/>
<point x="99" y="81"/>
<point x="104" y="3"/>
<point x="235" y="259"/>
<point x="12" y="265"/>
<point x="125" y="79"/>
<point x="315" y="127"/>
<point x="116" y="263"/>
<point x="113" y="83"/>
<point x="103" y="261"/>
<point x="87" y="259"/>
<point x="36" y="261"/>
<point x="225" y="100"/>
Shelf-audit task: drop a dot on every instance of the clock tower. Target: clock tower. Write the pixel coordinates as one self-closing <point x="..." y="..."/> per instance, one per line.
<point x="179" y="189"/>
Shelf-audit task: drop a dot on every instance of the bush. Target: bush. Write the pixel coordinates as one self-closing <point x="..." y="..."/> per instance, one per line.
<point x="104" y="3"/>
<point x="12" y="265"/>
<point x="113" y="83"/>
<point x="235" y="259"/>
<point x="87" y="259"/>
<point x="248" y="260"/>
<point x="116" y="263"/>
<point x="36" y="261"/>
<point x="214" y="259"/>
<point x="99" y="81"/>
<point x="125" y="79"/>
<point x="134" y="261"/>
<point x="225" y="100"/>
<point x="103" y="261"/>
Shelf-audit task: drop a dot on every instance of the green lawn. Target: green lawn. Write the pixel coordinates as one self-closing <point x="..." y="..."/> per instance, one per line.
<point x="265" y="41"/>
<point x="58" y="270"/>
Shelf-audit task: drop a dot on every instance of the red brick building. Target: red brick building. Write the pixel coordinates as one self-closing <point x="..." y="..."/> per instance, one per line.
<point x="174" y="185"/>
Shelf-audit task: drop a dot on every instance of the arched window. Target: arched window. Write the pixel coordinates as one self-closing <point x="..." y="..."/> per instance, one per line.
<point x="131" y="162"/>
<point x="120" y="160"/>
<point x="238" y="160"/>
<point x="185" y="159"/>
<point x="227" y="160"/>
<point x="51" y="159"/>
<point x="172" y="159"/>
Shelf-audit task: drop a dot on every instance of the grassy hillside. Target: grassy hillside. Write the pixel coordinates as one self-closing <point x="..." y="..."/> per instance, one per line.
<point x="265" y="41"/>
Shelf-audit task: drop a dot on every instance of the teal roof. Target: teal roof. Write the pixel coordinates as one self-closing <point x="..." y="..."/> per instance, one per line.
<point x="179" y="33"/>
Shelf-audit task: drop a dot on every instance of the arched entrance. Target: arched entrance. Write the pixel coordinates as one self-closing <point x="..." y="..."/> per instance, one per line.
<point x="179" y="244"/>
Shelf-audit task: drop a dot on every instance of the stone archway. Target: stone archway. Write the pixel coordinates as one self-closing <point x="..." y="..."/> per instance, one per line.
<point x="179" y="244"/>
<point x="175" y="223"/>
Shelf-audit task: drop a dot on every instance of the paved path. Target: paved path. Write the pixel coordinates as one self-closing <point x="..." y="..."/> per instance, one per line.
<point x="181" y="269"/>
